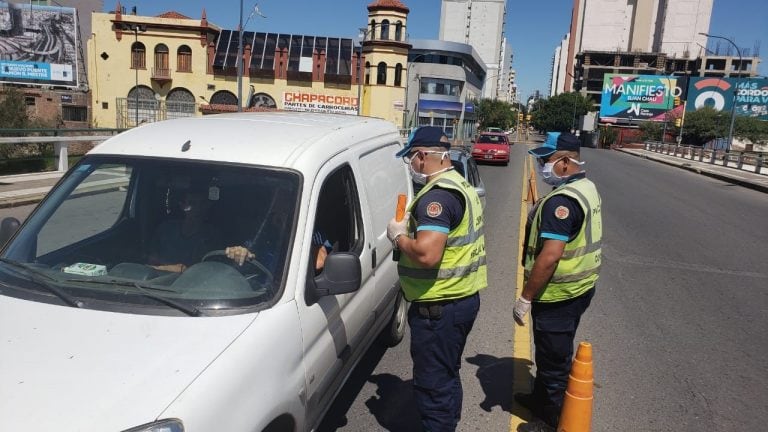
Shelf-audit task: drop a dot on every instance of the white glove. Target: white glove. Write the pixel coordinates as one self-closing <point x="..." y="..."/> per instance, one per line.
<point x="522" y="307"/>
<point x="395" y="228"/>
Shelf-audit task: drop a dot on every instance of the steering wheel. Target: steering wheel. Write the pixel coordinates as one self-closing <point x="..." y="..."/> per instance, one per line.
<point x="251" y="262"/>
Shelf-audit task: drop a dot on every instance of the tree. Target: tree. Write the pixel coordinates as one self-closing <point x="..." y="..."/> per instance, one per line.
<point x="560" y="113"/>
<point x="751" y="128"/>
<point x="494" y="113"/>
<point x="13" y="110"/>
<point x="704" y="125"/>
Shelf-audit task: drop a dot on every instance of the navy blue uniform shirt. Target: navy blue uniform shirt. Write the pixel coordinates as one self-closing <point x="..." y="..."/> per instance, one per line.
<point x="439" y="210"/>
<point x="561" y="217"/>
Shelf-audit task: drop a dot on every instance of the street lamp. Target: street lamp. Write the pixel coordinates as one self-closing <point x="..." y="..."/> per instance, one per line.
<point x="666" y="113"/>
<point x="364" y="32"/>
<point x="240" y="52"/>
<point x="136" y="28"/>
<point x="735" y="90"/>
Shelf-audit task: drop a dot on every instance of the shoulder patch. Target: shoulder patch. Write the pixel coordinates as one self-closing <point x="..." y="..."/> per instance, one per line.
<point x="434" y="209"/>
<point x="562" y="212"/>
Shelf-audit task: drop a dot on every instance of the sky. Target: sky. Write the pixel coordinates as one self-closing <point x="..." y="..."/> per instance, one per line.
<point x="534" y="28"/>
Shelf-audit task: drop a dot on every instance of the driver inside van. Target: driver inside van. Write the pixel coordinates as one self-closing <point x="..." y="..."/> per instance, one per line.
<point x="178" y="243"/>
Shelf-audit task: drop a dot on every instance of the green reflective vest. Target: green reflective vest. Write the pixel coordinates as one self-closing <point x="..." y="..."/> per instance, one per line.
<point x="577" y="270"/>
<point x="462" y="270"/>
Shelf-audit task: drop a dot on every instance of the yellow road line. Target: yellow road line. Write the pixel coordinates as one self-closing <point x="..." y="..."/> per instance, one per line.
<point x="521" y="382"/>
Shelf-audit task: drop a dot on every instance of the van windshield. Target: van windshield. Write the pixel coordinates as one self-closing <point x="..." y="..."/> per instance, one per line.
<point x="155" y="235"/>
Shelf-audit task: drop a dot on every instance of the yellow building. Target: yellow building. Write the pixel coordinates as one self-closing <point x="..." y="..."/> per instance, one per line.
<point x="145" y="69"/>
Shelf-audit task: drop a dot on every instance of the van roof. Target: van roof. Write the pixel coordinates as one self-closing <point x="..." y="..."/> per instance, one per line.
<point x="262" y="138"/>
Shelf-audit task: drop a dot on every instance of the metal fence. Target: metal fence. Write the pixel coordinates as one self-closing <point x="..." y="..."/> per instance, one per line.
<point x="130" y="113"/>
<point x="751" y="161"/>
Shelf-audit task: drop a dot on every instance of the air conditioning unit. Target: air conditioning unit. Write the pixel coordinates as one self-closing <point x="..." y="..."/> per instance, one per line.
<point x="642" y="65"/>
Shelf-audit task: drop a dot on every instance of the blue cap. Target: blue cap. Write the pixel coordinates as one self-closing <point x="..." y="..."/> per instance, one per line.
<point x="557" y="141"/>
<point x="425" y="136"/>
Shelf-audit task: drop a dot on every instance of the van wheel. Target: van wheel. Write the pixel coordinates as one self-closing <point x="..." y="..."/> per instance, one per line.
<point x="395" y="330"/>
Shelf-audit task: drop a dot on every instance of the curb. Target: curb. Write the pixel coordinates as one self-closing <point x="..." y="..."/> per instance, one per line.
<point x="22" y="200"/>
<point x="705" y="172"/>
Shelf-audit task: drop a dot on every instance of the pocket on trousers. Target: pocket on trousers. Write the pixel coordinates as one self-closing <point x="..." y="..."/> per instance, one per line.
<point x="554" y="325"/>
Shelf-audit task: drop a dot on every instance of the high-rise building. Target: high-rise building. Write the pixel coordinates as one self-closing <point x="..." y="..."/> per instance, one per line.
<point x="479" y="23"/>
<point x="671" y="27"/>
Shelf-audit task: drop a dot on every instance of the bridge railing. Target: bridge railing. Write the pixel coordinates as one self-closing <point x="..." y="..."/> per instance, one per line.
<point x="13" y="141"/>
<point x="749" y="161"/>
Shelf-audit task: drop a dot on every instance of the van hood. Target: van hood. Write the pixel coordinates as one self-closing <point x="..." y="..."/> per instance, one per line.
<point x="64" y="368"/>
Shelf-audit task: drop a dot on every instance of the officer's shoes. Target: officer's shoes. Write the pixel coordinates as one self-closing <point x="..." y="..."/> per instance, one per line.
<point x="549" y="414"/>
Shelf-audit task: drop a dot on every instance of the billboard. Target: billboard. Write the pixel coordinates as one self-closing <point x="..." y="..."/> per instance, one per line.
<point x="639" y="97"/>
<point x="320" y="103"/>
<point x="38" y="44"/>
<point x="718" y="93"/>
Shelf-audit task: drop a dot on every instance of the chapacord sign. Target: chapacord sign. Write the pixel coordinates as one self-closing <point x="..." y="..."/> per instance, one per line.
<point x="323" y="103"/>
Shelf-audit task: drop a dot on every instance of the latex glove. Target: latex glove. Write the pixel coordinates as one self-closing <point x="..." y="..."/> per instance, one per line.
<point x="395" y="228"/>
<point x="522" y="307"/>
<point x="238" y="254"/>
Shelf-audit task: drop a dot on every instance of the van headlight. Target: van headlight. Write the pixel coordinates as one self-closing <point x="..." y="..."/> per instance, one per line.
<point x="166" y="425"/>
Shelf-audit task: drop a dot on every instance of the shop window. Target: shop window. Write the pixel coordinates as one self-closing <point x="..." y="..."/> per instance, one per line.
<point x="381" y="73"/>
<point x="138" y="56"/>
<point x="184" y="59"/>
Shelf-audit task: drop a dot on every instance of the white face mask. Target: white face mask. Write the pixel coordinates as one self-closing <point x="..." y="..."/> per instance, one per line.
<point x="548" y="174"/>
<point x="421" y="178"/>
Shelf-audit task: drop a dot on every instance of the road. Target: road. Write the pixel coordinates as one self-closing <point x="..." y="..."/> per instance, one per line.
<point x="677" y="324"/>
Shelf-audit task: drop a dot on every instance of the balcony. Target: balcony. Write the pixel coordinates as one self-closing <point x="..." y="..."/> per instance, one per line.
<point x="161" y="75"/>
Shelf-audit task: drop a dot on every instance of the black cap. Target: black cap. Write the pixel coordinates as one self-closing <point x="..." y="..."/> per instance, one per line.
<point x="557" y="141"/>
<point x="425" y="136"/>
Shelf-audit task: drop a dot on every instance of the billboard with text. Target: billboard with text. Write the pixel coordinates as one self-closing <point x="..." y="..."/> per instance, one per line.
<point x="638" y="97"/>
<point x="38" y="44"/>
<point x="751" y="95"/>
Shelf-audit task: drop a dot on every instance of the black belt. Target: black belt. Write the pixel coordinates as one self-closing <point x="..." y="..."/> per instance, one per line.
<point x="434" y="309"/>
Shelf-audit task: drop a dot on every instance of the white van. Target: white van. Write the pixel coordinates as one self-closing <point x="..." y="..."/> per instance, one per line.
<point x="120" y="310"/>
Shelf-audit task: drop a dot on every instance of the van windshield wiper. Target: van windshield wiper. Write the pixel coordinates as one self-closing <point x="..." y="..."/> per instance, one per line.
<point x="145" y="290"/>
<point x="45" y="281"/>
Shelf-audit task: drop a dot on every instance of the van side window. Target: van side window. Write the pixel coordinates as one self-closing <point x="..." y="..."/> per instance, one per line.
<point x="338" y="221"/>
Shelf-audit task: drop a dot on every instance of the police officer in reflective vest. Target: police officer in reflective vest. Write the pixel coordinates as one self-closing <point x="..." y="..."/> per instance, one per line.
<point x="561" y="260"/>
<point x="442" y="267"/>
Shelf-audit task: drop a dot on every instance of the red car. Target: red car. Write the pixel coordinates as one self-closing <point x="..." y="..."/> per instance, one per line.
<point x="492" y="147"/>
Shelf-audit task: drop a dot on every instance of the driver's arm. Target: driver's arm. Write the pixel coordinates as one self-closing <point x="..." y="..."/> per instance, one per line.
<point x="239" y="254"/>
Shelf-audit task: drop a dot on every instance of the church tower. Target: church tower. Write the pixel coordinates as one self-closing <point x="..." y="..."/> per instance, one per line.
<point x="385" y="51"/>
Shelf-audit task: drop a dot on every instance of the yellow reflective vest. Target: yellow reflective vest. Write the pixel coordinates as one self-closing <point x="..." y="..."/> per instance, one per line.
<point x="462" y="270"/>
<point x="577" y="270"/>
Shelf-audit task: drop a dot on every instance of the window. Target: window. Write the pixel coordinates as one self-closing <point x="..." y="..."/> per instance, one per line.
<point x="138" y="56"/>
<point x="74" y="113"/>
<point x="381" y="73"/>
<point x="399" y="31"/>
<point x="161" y="57"/>
<point x="398" y="74"/>
<point x="367" y="73"/>
<point x="184" y="59"/>
<point x="338" y="220"/>
<point x="385" y="30"/>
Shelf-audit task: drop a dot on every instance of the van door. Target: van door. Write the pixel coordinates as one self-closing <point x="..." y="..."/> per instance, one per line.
<point x="334" y="327"/>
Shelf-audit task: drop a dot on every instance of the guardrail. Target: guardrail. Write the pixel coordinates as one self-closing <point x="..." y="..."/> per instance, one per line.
<point x="735" y="159"/>
<point x="60" y="143"/>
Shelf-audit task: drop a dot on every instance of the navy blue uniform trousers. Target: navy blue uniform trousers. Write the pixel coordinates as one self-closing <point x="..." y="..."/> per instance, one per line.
<point x="554" y="328"/>
<point x="437" y="345"/>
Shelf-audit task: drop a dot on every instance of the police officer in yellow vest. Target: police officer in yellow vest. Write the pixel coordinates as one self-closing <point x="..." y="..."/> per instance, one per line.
<point x="442" y="267"/>
<point x="561" y="260"/>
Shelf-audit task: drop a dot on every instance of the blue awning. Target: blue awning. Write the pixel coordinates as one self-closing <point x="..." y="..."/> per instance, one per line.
<point x="432" y="105"/>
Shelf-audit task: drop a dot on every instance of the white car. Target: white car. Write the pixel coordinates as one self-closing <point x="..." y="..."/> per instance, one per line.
<point x="121" y="309"/>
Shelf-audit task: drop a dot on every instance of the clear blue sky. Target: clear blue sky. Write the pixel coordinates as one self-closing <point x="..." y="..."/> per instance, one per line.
<point x="534" y="28"/>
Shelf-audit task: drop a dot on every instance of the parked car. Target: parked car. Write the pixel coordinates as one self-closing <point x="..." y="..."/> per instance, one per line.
<point x="464" y="164"/>
<point x="110" y="319"/>
<point x="491" y="148"/>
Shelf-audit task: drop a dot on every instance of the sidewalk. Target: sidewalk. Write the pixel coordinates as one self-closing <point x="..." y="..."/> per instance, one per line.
<point x="745" y="177"/>
<point x="25" y="189"/>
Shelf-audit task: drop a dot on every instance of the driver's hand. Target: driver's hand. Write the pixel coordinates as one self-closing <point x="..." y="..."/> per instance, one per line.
<point x="239" y="254"/>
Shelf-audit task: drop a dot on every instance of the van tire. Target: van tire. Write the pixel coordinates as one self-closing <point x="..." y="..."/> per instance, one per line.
<point x="394" y="331"/>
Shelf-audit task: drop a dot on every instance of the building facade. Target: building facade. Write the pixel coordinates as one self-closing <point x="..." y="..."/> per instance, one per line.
<point x="479" y="23"/>
<point x="147" y="69"/>
<point x="444" y="79"/>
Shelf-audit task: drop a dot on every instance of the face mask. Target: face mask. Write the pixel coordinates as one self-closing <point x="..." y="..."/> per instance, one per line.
<point x="549" y="176"/>
<point x="421" y="178"/>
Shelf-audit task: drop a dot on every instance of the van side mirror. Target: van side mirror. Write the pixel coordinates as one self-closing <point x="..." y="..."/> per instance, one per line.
<point x="341" y="274"/>
<point x="8" y="228"/>
<point x="480" y="191"/>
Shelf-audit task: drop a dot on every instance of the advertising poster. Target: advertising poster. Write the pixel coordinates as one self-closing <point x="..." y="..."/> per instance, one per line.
<point x="639" y="97"/>
<point x="38" y="44"/>
<point x="751" y="95"/>
<point x="319" y="103"/>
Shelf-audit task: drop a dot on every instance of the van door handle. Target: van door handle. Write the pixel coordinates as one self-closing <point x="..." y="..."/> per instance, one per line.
<point x="373" y="258"/>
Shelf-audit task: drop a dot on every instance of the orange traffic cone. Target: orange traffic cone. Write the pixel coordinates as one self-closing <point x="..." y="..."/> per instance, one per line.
<point x="576" y="415"/>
